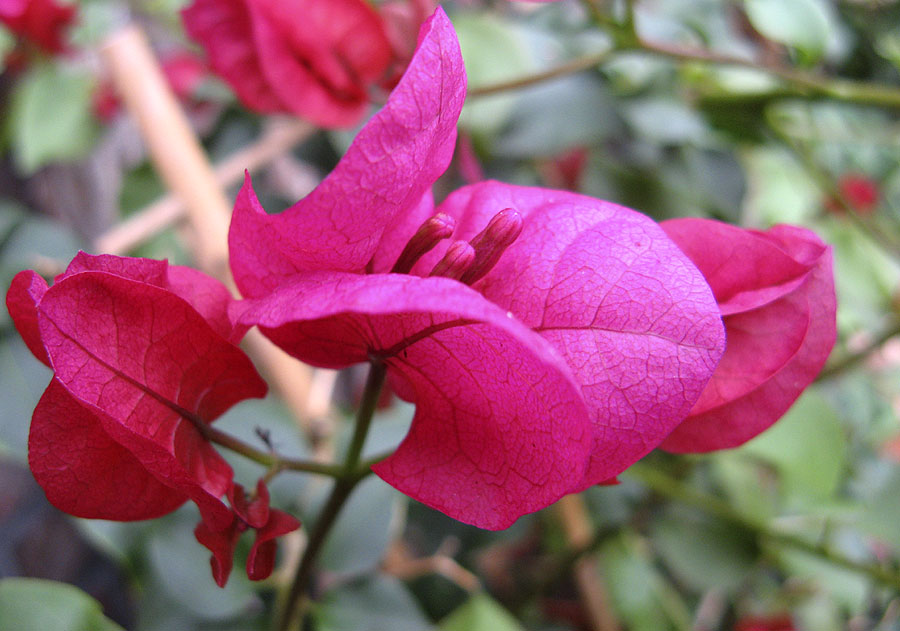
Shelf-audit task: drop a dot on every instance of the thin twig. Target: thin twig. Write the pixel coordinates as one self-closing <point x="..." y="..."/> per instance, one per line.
<point x="579" y="532"/>
<point x="804" y="84"/>
<point x="849" y="361"/>
<point x="343" y="487"/>
<point x="278" y="137"/>
<point x="179" y="159"/>
<point x="671" y="488"/>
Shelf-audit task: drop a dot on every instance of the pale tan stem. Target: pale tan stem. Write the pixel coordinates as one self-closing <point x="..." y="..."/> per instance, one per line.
<point x="579" y="531"/>
<point x="184" y="168"/>
<point x="279" y="136"/>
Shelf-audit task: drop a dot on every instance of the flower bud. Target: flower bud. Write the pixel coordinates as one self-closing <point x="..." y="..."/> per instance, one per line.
<point x="456" y="262"/>
<point x="433" y="231"/>
<point x="489" y="244"/>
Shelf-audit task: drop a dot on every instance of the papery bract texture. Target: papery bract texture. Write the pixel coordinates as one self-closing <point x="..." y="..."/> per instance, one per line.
<point x="500" y="428"/>
<point x="312" y="58"/>
<point x="383" y="177"/>
<point x="43" y="22"/>
<point x="140" y="371"/>
<point x="775" y="290"/>
<point x="630" y="314"/>
<point x="577" y="354"/>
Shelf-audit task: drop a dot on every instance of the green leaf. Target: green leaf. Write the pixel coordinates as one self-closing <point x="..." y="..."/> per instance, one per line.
<point x="666" y="121"/>
<point x="375" y="604"/>
<point x="881" y="512"/>
<point x="807" y="447"/>
<point x="493" y="52"/>
<point x="365" y="527"/>
<point x="30" y="604"/>
<point x="779" y="189"/>
<point x="802" y="24"/>
<point x="480" y="613"/>
<point x="50" y="117"/>
<point x="23" y="380"/>
<point x="635" y="585"/>
<point x="704" y="553"/>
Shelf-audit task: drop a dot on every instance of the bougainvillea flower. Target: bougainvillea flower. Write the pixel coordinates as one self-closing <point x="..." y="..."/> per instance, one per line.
<point x="551" y="343"/>
<point x="775" y="290"/>
<point x="860" y="191"/>
<point x="269" y="523"/>
<point x="143" y="357"/>
<point x="312" y="58"/>
<point x="42" y="22"/>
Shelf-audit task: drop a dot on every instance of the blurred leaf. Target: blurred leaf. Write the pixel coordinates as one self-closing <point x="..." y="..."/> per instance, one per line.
<point x="493" y="52"/>
<point x="865" y="276"/>
<point x="704" y="553"/>
<point x="881" y="512"/>
<point x="635" y="588"/>
<point x="778" y="188"/>
<point x="29" y="244"/>
<point x="888" y="46"/>
<point x="364" y="529"/>
<point x="181" y="565"/>
<point x="379" y="603"/>
<point x="22" y="380"/>
<point x="745" y="483"/>
<point x="807" y="447"/>
<point x="7" y="43"/>
<point x="30" y="604"/>
<point x="666" y="121"/>
<point x="50" y="116"/>
<point x="480" y="613"/>
<point x="843" y="587"/>
<point x="802" y="24"/>
<point x="542" y="124"/>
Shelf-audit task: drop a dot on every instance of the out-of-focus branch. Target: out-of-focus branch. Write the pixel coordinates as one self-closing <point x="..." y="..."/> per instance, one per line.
<point x="278" y="137"/>
<point x="183" y="166"/>
<point x="676" y="490"/>
<point x="579" y="534"/>
<point x="399" y="562"/>
<point x="797" y="83"/>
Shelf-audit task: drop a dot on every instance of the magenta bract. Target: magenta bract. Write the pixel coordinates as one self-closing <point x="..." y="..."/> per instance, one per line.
<point x="143" y="357"/>
<point x="775" y="290"/>
<point x="43" y="22"/>
<point x="312" y="58"/>
<point x="589" y="338"/>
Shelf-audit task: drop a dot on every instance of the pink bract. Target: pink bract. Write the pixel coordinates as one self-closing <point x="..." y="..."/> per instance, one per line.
<point x="775" y="290"/>
<point x="40" y="21"/>
<point x="142" y="360"/>
<point x="313" y="58"/>
<point x="587" y="343"/>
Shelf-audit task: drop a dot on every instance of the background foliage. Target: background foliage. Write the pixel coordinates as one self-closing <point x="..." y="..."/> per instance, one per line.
<point x="755" y="112"/>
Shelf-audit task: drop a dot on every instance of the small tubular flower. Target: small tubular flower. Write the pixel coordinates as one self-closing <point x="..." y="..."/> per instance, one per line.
<point x="775" y="290"/>
<point x="143" y="357"/>
<point x="313" y="58"/>
<point x="548" y="343"/>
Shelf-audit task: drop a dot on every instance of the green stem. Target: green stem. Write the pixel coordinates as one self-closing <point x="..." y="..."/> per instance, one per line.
<point x="570" y="67"/>
<point x="845" y="363"/>
<point x="349" y="477"/>
<point x="808" y="84"/>
<point x="802" y="84"/>
<point x="674" y="489"/>
<point x="266" y="458"/>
